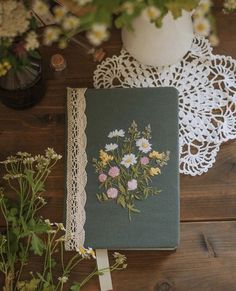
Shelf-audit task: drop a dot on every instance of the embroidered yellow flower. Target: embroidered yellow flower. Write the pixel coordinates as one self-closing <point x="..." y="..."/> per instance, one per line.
<point x="156" y="155"/>
<point x="154" y="171"/>
<point x="105" y="158"/>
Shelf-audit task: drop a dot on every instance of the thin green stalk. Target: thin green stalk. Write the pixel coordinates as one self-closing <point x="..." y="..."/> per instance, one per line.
<point x="22" y="262"/>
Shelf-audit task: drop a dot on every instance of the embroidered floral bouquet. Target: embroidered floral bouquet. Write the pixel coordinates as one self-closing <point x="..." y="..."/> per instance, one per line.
<point x="127" y="166"/>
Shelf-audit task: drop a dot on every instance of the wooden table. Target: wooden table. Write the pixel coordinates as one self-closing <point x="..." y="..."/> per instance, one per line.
<point x="206" y="258"/>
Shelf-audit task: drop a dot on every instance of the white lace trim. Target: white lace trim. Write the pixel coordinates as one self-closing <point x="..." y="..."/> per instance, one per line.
<point x="207" y="98"/>
<point x="76" y="168"/>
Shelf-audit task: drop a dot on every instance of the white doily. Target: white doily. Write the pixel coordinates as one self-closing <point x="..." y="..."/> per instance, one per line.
<point x="76" y="176"/>
<point x="207" y="97"/>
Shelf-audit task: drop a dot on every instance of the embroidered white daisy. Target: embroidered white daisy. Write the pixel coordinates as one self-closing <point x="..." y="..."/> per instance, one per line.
<point x="202" y="26"/>
<point x="111" y="147"/>
<point x="116" y="133"/>
<point x="129" y="160"/>
<point x="143" y="145"/>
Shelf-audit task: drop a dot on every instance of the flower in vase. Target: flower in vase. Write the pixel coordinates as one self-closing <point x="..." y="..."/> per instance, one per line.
<point x="202" y="26"/>
<point x="51" y="34"/>
<point x="31" y="41"/>
<point x="70" y="23"/>
<point x="151" y="13"/>
<point x="59" y="13"/>
<point x="98" y="34"/>
<point x="40" y="7"/>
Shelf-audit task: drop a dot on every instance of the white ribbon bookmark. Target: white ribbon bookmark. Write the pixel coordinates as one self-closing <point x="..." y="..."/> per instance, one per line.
<point x="103" y="262"/>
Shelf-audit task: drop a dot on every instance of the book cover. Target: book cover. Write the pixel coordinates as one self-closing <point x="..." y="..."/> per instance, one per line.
<point x="122" y="168"/>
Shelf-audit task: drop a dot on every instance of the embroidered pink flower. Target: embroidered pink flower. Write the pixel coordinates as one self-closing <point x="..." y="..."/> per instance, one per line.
<point x="102" y="178"/>
<point x="114" y="172"/>
<point x="144" y="160"/>
<point x="132" y="184"/>
<point x="112" y="193"/>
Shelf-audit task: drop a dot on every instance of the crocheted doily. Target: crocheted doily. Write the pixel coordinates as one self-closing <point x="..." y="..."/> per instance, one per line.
<point x="207" y="97"/>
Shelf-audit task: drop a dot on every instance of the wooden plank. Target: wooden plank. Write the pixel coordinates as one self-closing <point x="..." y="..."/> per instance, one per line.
<point x="211" y="196"/>
<point x="205" y="260"/>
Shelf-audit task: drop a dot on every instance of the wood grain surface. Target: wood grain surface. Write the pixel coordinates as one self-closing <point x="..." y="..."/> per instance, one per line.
<point x="206" y="258"/>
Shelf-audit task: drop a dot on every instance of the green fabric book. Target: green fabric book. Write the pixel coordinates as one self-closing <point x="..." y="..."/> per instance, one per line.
<point x="122" y="178"/>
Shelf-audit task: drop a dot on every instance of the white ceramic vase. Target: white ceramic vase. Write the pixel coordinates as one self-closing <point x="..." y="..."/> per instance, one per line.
<point x="159" y="46"/>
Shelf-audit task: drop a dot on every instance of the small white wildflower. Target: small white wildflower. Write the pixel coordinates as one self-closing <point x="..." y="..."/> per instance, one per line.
<point x="143" y="145"/>
<point x="91" y="252"/>
<point x="23" y="154"/>
<point x="51" y="154"/>
<point x="129" y="160"/>
<point x="63" y="279"/>
<point x="111" y="147"/>
<point x="214" y="40"/>
<point x="204" y="6"/>
<point x="83" y="252"/>
<point x="120" y="259"/>
<point x="28" y="160"/>
<point x="48" y="222"/>
<point x="42" y="200"/>
<point x="60" y="226"/>
<point x="202" y="26"/>
<point x="116" y="133"/>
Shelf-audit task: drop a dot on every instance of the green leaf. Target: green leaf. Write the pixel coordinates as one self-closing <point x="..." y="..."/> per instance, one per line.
<point x="156" y="192"/>
<point x="99" y="197"/>
<point x="131" y="208"/>
<point x="37" y="245"/>
<point x="28" y="285"/>
<point x="121" y="187"/>
<point x="121" y="201"/>
<point x="176" y="7"/>
<point x="104" y="197"/>
<point x="41" y="277"/>
<point x="35" y="55"/>
<point x="75" y="287"/>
